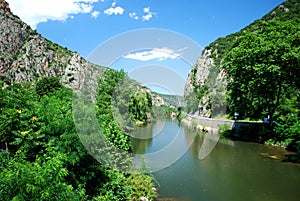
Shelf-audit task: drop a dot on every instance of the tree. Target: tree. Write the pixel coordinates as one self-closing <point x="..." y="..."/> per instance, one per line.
<point x="261" y="66"/>
<point x="47" y="85"/>
<point x="43" y="158"/>
<point x="140" y="105"/>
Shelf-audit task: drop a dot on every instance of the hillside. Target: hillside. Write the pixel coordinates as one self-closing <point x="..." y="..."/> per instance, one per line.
<point x="26" y="56"/>
<point x="206" y="82"/>
<point x="254" y="75"/>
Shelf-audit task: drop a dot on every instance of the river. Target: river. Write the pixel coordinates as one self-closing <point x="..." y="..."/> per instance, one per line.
<point x="231" y="170"/>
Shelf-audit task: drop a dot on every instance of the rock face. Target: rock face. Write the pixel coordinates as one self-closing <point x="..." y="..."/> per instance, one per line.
<point x="207" y="77"/>
<point x="5" y="6"/>
<point x="26" y="56"/>
<point x="199" y="73"/>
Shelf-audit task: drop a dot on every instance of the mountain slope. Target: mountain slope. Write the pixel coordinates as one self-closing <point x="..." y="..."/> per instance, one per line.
<point x="26" y="56"/>
<point x="206" y="81"/>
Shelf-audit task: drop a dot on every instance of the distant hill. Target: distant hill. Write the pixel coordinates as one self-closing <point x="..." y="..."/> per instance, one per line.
<point x="173" y="100"/>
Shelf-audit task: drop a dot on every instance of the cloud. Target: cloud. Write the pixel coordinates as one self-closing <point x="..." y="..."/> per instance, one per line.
<point x="34" y="12"/>
<point x="95" y="14"/>
<point x="157" y="53"/>
<point x="146" y="10"/>
<point x="147" y="17"/>
<point x="133" y="15"/>
<point x="148" y="14"/>
<point x="114" y="10"/>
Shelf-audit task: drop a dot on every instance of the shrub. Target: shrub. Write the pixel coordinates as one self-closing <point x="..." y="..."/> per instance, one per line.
<point x="47" y="85"/>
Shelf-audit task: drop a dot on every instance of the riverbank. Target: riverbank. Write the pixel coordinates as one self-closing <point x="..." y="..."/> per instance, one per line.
<point x="241" y="130"/>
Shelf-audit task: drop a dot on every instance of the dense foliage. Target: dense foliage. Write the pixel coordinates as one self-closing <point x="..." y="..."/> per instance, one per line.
<point x="263" y="78"/>
<point x="263" y="67"/>
<point x="42" y="157"/>
<point x="261" y="63"/>
<point x="288" y="10"/>
<point x="47" y="85"/>
<point x="140" y="106"/>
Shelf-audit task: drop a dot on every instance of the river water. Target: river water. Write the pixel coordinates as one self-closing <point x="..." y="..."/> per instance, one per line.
<point x="227" y="171"/>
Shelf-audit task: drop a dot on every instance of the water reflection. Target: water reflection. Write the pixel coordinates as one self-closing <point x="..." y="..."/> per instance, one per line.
<point x="142" y="139"/>
<point x="167" y="146"/>
<point x="231" y="172"/>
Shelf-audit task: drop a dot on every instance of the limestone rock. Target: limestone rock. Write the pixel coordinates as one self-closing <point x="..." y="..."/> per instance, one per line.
<point x="26" y="56"/>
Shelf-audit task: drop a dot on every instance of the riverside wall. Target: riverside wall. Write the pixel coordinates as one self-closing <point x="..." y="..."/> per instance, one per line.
<point x="212" y="125"/>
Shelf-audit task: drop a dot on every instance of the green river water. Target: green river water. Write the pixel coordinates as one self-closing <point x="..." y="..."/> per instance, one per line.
<point x="231" y="170"/>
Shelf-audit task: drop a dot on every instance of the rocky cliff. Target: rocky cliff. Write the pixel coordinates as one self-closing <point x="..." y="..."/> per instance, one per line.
<point x="207" y="81"/>
<point x="26" y="56"/>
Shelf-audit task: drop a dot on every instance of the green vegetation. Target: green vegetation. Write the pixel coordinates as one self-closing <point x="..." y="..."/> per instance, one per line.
<point x="263" y="80"/>
<point x="262" y="63"/>
<point x="288" y="11"/>
<point x="140" y="106"/>
<point x="47" y="85"/>
<point x="225" y="130"/>
<point x="42" y="157"/>
<point x="262" y="68"/>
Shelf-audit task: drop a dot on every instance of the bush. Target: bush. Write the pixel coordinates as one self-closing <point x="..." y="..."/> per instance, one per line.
<point x="47" y="85"/>
<point x="225" y="130"/>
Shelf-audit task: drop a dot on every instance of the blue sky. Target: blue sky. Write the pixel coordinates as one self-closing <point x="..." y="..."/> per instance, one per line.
<point x="83" y="25"/>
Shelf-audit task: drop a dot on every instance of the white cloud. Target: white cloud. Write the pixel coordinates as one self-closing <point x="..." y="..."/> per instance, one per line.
<point x="148" y="14"/>
<point x="147" y="17"/>
<point x="157" y="53"/>
<point x="34" y="12"/>
<point x="95" y="14"/>
<point x="114" y="11"/>
<point x="133" y="15"/>
<point x="146" y="10"/>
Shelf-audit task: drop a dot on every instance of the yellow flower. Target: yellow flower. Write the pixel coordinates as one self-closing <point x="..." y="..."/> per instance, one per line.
<point x="34" y="118"/>
<point x="24" y="132"/>
<point x="19" y="111"/>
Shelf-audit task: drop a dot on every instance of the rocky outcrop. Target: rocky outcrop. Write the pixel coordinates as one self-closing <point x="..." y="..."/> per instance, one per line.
<point x="13" y="33"/>
<point x="205" y="76"/>
<point x="206" y="81"/>
<point x="27" y="56"/>
<point x="4" y="5"/>
<point x="199" y="73"/>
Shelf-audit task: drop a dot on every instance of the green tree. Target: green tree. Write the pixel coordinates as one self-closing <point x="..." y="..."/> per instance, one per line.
<point x="107" y="94"/>
<point x="47" y="85"/>
<point x="43" y="158"/>
<point x="287" y="125"/>
<point x="261" y="67"/>
<point x="140" y="106"/>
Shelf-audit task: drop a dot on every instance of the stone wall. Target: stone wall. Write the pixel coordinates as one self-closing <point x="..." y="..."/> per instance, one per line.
<point x="213" y="125"/>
